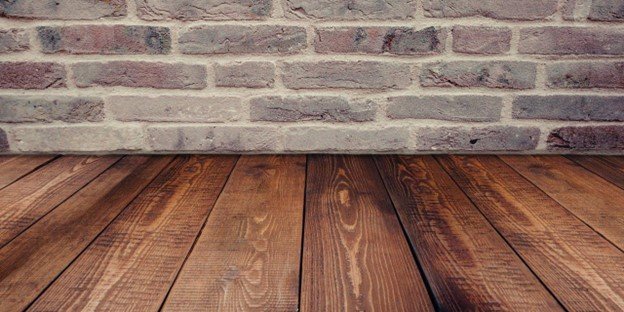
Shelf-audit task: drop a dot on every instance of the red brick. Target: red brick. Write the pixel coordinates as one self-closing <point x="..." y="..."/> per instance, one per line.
<point x="481" y="40"/>
<point x="63" y="9"/>
<point x="587" y="138"/>
<point x="571" y="40"/>
<point x="586" y="75"/>
<point x="31" y="75"/>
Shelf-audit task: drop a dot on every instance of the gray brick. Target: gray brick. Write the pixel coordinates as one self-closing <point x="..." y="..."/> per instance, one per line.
<point x="570" y="107"/>
<point x="494" y="138"/>
<point x="605" y="138"/>
<point x="344" y="139"/>
<point x="175" y="108"/>
<point x="245" y="75"/>
<point x="585" y="75"/>
<point x="607" y="10"/>
<point x="571" y="41"/>
<point x="234" y="39"/>
<point x="13" y="40"/>
<point x="505" y="10"/>
<point x="216" y="139"/>
<point x="193" y="10"/>
<point x="305" y="108"/>
<point x="497" y="74"/>
<point x="4" y="141"/>
<point x="17" y="109"/>
<point x="455" y="108"/>
<point x="350" y="10"/>
<point x="63" y="10"/>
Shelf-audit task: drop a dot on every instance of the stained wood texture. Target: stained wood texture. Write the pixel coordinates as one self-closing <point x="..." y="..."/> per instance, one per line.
<point x="591" y="198"/>
<point x="247" y="257"/>
<point x="27" y="200"/>
<point x="13" y="168"/>
<point x="582" y="269"/>
<point x="610" y="168"/>
<point x="133" y="263"/>
<point x="466" y="262"/>
<point x="355" y="257"/>
<point x="30" y="262"/>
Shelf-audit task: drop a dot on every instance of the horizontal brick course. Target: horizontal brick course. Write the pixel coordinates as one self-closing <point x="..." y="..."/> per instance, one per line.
<point x="571" y="40"/>
<point x="19" y="109"/>
<point x="219" y="139"/>
<point x="605" y="138"/>
<point x="175" y="108"/>
<point x="32" y="75"/>
<point x="495" y="138"/>
<point x="455" y="108"/>
<point x="13" y="40"/>
<point x="570" y="107"/>
<point x="501" y="74"/>
<point x="333" y="139"/>
<point x="583" y="75"/>
<point x="63" y="10"/>
<point x="307" y="108"/>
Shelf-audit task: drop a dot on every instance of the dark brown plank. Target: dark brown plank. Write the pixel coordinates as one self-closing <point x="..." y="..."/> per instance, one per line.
<point x="592" y="199"/>
<point x="30" y="262"/>
<point x="355" y="256"/>
<point x="606" y="167"/>
<point x="25" y="201"/>
<point x="466" y="262"/>
<point x="582" y="269"/>
<point x="133" y="263"/>
<point x="247" y="257"/>
<point x="13" y="168"/>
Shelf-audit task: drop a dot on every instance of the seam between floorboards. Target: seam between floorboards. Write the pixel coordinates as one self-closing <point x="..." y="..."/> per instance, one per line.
<point x="32" y="170"/>
<point x="305" y="203"/>
<point x="594" y="172"/>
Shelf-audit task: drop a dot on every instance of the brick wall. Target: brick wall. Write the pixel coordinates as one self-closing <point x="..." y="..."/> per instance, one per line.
<point x="312" y="76"/>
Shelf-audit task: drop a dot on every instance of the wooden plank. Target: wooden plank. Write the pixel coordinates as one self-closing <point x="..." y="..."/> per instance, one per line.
<point x="13" y="168"/>
<point x="248" y="255"/>
<point x="582" y="269"/>
<point x="355" y="256"/>
<point x="606" y="167"/>
<point x="133" y="263"/>
<point x="592" y="199"/>
<point x="466" y="262"/>
<point x="30" y="262"/>
<point x="27" y="200"/>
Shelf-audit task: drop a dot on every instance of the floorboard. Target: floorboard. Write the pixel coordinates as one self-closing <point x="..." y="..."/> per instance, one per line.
<point x="247" y="257"/>
<point x="609" y="168"/>
<point x="466" y="262"/>
<point x="15" y="167"/>
<point x="582" y="269"/>
<point x="133" y="263"/>
<point x="355" y="255"/>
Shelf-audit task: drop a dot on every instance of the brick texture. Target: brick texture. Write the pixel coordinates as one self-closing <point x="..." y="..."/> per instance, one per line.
<point x="455" y="108"/>
<point x="243" y="39"/>
<point x="504" y="10"/>
<point x="19" y="109"/>
<point x="565" y="40"/>
<point x="502" y="75"/>
<point x="350" y="10"/>
<point x="63" y="10"/>
<point x="586" y="75"/>
<point x="13" y="40"/>
<point x="246" y="75"/>
<point x="481" y="40"/>
<point x="570" y="107"/>
<point x="175" y="108"/>
<point x="477" y="139"/>
<point x="587" y="138"/>
<point x="31" y="75"/>
<point x="4" y="141"/>
<point x="607" y="10"/>
<point x="321" y="108"/>
<point x="193" y="10"/>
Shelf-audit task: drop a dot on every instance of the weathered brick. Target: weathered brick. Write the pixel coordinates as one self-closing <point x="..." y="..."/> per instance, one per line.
<point x="345" y="139"/>
<point x="498" y="74"/>
<point x="571" y="40"/>
<point x="375" y="40"/>
<point x="481" y="40"/>
<point x="102" y="39"/>
<point x="586" y="75"/>
<point x="505" y="10"/>
<point x="350" y="10"/>
<point x="568" y="9"/>
<point x="494" y="138"/>
<point x="607" y="10"/>
<point x="570" y="107"/>
<point x="587" y="138"/>
<point x="235" y="39"/>
<point x="348" y="75"/>
<point x="193" y="10"/>
<point x="31" y="75"/>
<point x="175" y="108"/>
<point x="4" y="141"/>
<point x="455" y="108"/>
<point x="13" y="40"/>
<point x="63" y="10"/>
<point x="50" y="108"/>
<point x="245" y="75"/>
<point x="220" y="139"/>
<point x="77" y="138"/>
<point x="140" y="74"/>
<point x="305" y="108"/>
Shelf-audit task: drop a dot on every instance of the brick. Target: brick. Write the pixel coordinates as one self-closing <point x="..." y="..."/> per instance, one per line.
<point x="568" y="9"/>
<point x="570" y="107"/>
<point x="493" y="138"/>
<point x="350" y="10"/>
<point x="13" y="40"/>
<point x="571" y="41"/>
<point x="587" y="138"/>
<point x="78" y="138"/>
<point x="585" y="75"/>
<point x="345" y="139"/>
<point x="50" y="108"/>
<point x="4" y="141"/>
<point x="245" y="75"/>
<point x="499" y="74"/>
<point x="234" y="39"/>
<point x="505" y="10"/>
<point x="306" y="108"/>
<point x="31" y="75"/>
<point x="348" y="75"/>
<point x="102" y="39"/>
<point x="481" y="40"/>
<point x="140" y="74"/>
<point x="217" y="139"/>
<point x="194" y="10"/>
<point x="454" y="108"/>
<point x="63" y="10"/>
<point x="607" y="11"/>
<point x="377" y="40"/>
<point x="175" y="108"/>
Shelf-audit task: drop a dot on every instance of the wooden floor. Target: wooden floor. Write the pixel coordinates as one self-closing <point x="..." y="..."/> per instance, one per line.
<point x="315" y="233"/>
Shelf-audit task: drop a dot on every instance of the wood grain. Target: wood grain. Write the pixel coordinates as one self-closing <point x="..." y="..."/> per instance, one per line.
<point x="591" y="198"/>
<point x="582" y="269"/>
<point x="247" y="257"/>
<point x="13" y="168"/>
<point x="133" y="263"/>
<point x="27" y="200"/>
<point x="466" y="262"/>
<point x="29" y="263"/>
<point x="609" y="168"/>
<point x="355" y="257"/>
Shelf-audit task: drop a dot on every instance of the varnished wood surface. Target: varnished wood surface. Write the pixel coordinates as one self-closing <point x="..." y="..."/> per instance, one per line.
<point x="14" y="167"/>
<point x="609" y="168"/>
